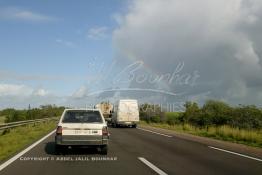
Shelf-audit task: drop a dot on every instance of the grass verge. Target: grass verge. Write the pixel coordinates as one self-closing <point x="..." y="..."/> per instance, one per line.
<point x="226" y="133"/>
<point x="19" y="138"/>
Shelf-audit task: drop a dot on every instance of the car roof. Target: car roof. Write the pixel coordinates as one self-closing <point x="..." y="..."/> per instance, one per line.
<point x="128" y="100"/>
<point x="81" y="109"/>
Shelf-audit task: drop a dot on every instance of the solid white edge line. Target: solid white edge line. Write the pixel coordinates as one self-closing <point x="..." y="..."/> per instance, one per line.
<point x="153" y="167"/>
<point x="155" y="132"/>
<point x="11" y="160"/>
<point x="250" y="157"/>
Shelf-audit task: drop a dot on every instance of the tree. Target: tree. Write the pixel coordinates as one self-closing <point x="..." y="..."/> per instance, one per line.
<point x="248" y="117"/>
<point x="217" y="112"/>
<point x="191" y="112"/>
<point x="151" y="112"/>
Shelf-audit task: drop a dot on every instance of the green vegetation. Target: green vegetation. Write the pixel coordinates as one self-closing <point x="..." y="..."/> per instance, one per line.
<point x="45" y="111"/>
<point x="2" y="119"/>
<point x="14" y="140"/>
<point x="217" y="113"/>
<point x="216" y="119"/>
<point x="172" y="118"/>
<point x="227" y="133"/>
<point x="18" y="138"/>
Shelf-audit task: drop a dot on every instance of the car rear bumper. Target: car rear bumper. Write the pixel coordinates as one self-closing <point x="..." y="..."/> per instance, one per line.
<point x="80" y="140"/>
<point x="127" y="122"/>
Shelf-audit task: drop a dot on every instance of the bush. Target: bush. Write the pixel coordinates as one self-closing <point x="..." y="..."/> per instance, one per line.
<point x="13" y="115"/>
<point x="155" y="119"/>
<point x="191" y="114"/>
<point x="172" y="118"/>
<point x="213" y="113"/>
<point x="217" y="112"/>
<point x="148" y="111"/>
<point x="248" y="117"/>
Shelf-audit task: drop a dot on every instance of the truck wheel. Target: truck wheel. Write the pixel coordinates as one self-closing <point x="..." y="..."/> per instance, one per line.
<point x="104" y="150"/>
<point x="59" y="149"/>
<point x="134" y="126"/>
<point x="114" y="125"/>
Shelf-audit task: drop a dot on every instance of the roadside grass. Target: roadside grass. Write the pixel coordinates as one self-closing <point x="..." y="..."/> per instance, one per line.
<point x="226" y="133"/>
<point x="15" y="140"/>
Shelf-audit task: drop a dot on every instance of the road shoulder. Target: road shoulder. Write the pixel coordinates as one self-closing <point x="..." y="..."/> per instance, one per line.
<point x="243" y="149"/>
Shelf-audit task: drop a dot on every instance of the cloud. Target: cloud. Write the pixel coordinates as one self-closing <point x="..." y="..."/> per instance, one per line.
<point x="80" y="93"/>
<point x="14" y="13"/>
<point x="21" y="90"/>
<point x="65" y="43"/>
<point x="20" y="95"/>
<point x="41" y="92"/>
<point x="219" y="39"/>
<point x="14" y="90"/>
<point x="97" y="33"/>
<point x="12" y="75"/>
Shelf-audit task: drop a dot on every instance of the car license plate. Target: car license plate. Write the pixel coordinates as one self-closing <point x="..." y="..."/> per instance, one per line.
<point x="86" y="132"/>
<point x="82" y="132"/>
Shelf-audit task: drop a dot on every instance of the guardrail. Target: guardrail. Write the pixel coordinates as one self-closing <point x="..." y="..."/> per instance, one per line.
<point x="25" y="122"/>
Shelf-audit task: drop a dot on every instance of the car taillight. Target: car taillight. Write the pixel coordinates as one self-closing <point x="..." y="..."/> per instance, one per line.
<point x="105" y="131"/>
<point x="59" y="130"/>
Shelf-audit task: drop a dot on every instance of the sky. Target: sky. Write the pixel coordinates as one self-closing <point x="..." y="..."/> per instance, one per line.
<point x="78" y="53"/>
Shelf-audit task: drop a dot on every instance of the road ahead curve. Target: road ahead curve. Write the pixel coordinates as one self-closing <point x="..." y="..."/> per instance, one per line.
<point x="128" y="148"/>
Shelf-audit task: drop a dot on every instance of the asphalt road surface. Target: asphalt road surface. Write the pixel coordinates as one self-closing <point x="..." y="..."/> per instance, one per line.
<point x="134" y="151"/>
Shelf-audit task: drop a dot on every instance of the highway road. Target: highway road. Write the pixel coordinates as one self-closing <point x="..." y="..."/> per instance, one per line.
<point x="134" y="151"/>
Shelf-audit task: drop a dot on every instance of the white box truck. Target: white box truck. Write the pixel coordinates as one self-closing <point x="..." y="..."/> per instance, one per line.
<point x="125" y="113"/>
<point x="106" y="108"/>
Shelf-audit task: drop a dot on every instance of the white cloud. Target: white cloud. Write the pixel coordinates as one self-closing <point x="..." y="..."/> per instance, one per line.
<point x="14" y="13"/>
<point x="41" y="92"/>
<point x="21" y="90"/>
<point x="65" y="43"/>
<point x="14" y="90"/>
<point x="80" y="93"/>
<point x="97" y="33"/>
<point x="20" y="96"/>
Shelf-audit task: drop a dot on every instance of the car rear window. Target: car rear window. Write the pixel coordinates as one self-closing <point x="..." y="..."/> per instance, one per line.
<point x="82" y="117"/>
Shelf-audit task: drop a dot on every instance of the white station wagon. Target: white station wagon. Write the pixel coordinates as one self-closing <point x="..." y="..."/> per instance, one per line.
<point x="82" y="127"/>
